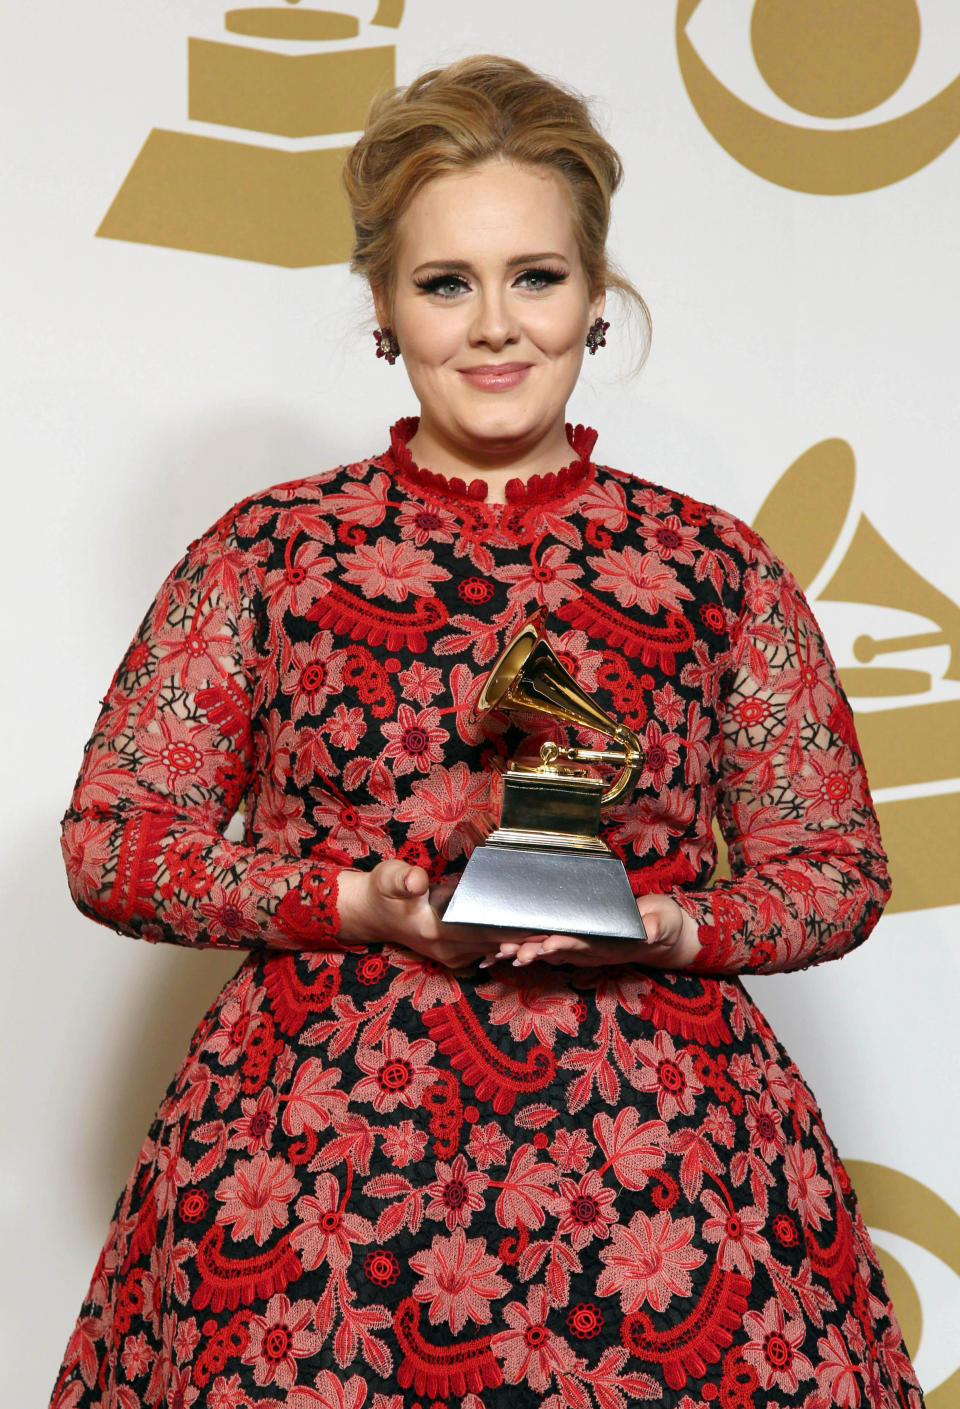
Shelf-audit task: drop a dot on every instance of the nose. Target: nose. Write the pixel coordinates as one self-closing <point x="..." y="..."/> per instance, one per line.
<point x="494" y="324"/>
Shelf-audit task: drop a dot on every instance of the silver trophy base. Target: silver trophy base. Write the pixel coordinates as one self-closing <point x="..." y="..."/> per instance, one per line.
<point x="548" y="891"/>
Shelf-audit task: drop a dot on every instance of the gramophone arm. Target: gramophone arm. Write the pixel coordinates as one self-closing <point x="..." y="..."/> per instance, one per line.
<point x="631" y="756"/>
<point x="632" y="765"/>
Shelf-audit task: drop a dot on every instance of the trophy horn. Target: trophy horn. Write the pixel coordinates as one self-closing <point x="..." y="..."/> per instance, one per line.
<point x="528" y="677"/>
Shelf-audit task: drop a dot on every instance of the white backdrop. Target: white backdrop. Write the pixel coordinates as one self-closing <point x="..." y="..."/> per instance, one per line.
<point x="148" y="388"/>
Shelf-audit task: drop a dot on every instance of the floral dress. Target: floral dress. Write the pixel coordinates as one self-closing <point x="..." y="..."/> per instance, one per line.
<point x="376" y="1183"/>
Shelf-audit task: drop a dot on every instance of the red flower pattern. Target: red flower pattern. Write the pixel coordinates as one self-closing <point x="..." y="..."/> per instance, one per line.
<point x="397" y="1074"/>
<point x="456" y="1194"/>
<point x="278" y="1339"/>
<point x="774" y="1348"/>
<point x="650" y="1261"/>
<point x="392" y="570"/>
<point x="415" y="740"/>
<point x="530" y="1350"/>
<point x="640" y="580"/>
<point x="667" y="1072"/>
<point x="458" y="1279"/>
<point x="608" y="1153"/>
<point x="325" y="1232"/>
<point x="256" y="1197"/>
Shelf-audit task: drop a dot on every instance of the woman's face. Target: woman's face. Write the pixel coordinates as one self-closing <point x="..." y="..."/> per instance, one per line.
<point x="491" y="308"/>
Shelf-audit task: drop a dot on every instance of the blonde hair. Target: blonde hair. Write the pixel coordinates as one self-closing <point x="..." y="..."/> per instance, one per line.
<point x="476" y="110"/>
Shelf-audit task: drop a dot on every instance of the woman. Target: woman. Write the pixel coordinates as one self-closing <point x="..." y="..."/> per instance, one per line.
<point x="406" y="1163"/>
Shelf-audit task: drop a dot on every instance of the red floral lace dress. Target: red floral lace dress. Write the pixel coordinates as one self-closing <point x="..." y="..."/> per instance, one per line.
<point x="373" y="1183"/>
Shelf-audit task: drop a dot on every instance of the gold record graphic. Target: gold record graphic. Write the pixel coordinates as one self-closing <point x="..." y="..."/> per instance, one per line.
<point x="893" y="1202"/>
<point x="907" y="743"/>
<point x="830" y="59"/>
<point x="292" y="73"/>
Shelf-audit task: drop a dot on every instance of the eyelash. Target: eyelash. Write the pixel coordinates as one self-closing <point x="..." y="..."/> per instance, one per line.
<point x="435" y="282"/>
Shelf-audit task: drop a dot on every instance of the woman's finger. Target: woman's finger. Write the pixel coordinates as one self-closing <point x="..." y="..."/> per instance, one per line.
<point x="554" y="942"/>
<point x="560" y="956"/>
<point x="416" y="882"/>
<point x="398" y="880"/>
<point x="527" y="952"/>
<point x="542" y="945"/>
<point x="662" y="918"/>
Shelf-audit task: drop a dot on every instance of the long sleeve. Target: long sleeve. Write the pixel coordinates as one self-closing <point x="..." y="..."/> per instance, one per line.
<point x="808" y="872"/>
<point x="170" y="758"/>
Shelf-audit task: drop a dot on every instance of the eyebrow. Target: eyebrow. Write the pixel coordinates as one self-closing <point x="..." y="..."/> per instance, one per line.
<point x="461" y="266"/>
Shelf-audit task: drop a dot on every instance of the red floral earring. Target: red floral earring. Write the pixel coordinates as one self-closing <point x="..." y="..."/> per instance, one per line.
<point x="596" y="337"/>
<point x="387" y="345"/>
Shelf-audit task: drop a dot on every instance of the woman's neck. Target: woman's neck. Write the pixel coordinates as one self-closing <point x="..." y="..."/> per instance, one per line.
<point x="496" y="463"/>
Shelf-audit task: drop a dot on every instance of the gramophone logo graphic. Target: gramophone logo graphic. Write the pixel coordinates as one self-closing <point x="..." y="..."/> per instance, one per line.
<point x="295" y="74"/>
<point x="896" y="640"/>
<point x="835" y="61"/>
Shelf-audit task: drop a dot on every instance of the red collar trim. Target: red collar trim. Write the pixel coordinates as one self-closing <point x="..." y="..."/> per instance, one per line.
<point x="538" y="489"/>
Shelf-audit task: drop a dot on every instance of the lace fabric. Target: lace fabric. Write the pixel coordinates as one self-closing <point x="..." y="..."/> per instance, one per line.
<point x="554" y="488"/>
<point x="373" y="1179"/>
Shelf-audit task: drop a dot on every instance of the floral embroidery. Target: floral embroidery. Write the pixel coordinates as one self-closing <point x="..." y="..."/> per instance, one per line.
<point x="375" y="1184"/>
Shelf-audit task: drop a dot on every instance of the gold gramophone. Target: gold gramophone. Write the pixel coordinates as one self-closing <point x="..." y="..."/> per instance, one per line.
<point x="544" y="868"/>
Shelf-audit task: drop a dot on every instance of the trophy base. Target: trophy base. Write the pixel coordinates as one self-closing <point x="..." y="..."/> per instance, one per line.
<point x="557" y="891"/>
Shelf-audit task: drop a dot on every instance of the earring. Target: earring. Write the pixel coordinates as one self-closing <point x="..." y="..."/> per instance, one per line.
<point x="596" y="337"/>
<point x="387" y="345"/>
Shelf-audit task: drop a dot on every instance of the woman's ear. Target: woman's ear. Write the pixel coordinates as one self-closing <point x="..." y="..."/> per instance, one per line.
<point x="381" y="306"/>
<point x="597" y="305"/>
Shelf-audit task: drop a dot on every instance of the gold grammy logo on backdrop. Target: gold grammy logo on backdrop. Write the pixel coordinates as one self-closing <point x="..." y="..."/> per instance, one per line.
<point x="829" y="59"/>
<point x="892" y="1202"/>
<point x="303" y="76"/>
<point x="909" y="742"/>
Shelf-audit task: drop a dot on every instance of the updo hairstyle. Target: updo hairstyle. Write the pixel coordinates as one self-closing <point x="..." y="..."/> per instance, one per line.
<point x="478" y="109"/>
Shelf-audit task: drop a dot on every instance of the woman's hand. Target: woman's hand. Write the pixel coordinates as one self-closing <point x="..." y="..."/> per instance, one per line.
<point x="391" y="904"/>
<point x="671" y="942"/>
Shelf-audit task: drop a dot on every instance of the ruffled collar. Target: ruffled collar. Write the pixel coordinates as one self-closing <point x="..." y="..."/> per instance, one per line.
<point x="556" y="487"/>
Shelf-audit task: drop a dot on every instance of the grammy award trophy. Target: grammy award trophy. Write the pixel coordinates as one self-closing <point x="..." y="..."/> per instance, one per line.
<point x="544" y="868"/>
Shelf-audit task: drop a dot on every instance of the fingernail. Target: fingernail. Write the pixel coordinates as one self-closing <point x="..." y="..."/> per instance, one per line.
<point x="484" y="963"/>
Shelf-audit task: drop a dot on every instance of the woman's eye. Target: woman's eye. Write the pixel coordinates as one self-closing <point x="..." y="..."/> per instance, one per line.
<point x="537" y="279"/>
<point x="445" y="285"/>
